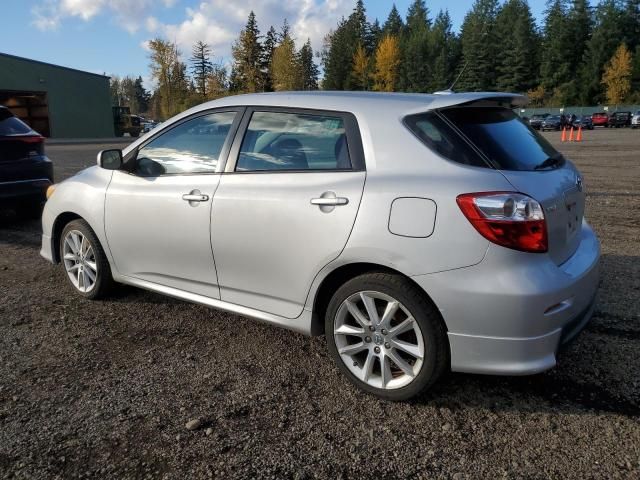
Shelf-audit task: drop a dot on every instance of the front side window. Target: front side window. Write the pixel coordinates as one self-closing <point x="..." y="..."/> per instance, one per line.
<point x="191" y="147"/>
<point x="294" y="141"/>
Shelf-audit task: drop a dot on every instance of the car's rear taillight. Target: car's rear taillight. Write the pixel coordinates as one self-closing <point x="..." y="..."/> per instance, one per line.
<point x="510" y="219"/>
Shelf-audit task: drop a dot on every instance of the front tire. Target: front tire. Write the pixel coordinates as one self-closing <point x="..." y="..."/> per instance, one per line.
<point x="84" y="261"/>
<point x="385" y="336"/>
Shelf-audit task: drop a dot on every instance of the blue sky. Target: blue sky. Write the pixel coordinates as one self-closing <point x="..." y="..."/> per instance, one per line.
<point x="108" y="36"/>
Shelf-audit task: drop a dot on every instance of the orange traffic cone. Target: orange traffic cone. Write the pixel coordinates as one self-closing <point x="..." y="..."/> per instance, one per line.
<point x="564" y="134"/>
<point x="571" y="135"/>
<point x="579" y="136"/>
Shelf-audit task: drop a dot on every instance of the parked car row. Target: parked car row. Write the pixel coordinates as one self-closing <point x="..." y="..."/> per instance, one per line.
<point x="546" y="121"/>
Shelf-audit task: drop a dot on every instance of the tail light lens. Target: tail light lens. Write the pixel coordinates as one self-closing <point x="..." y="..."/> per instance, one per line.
<point x="512" y="220"/>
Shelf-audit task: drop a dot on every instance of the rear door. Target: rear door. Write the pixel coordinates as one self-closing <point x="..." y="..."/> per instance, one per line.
<point x="532" y="166"/>
<point x="285" y="205"/>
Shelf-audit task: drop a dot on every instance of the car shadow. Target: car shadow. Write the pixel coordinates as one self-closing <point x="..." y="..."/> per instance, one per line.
<point x="599" y="371"/>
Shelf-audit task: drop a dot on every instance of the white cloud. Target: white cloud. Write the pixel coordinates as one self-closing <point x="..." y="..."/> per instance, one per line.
<point x="129" y="14"/>
<point x="218" y="22"/>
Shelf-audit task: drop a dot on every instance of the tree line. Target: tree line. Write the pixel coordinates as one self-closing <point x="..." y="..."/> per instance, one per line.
<point x="581" y="54"/>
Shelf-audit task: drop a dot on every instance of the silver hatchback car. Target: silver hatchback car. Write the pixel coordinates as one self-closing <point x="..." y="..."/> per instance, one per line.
<point x="420" y="233"/>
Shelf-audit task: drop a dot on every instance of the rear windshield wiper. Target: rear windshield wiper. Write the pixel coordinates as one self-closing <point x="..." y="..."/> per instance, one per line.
<point x="551" y="162"/>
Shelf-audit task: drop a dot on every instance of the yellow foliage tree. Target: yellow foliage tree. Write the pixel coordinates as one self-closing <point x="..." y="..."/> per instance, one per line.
<point x="537" y="95"/>
<point x="617" y="75"/>
<point x="361" y="68"/>
<point x="387" y="62"/>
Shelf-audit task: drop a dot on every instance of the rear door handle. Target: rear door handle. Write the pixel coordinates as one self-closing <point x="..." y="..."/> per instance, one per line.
<point x="330" y="202"/>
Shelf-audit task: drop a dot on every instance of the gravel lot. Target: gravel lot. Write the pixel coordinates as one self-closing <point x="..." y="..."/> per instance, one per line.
<point x="105" y="389"/>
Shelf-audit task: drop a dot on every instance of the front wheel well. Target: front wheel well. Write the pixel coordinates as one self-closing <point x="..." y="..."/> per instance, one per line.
<point x="338" y="277"/>
<point x="61" y="221"/>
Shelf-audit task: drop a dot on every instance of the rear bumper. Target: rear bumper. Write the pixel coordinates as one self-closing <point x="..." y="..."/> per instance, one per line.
<point x="510" y="314"/>
<point x="24" y="190"/>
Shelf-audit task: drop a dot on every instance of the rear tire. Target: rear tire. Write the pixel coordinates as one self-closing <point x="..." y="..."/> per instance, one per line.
<point x="401" y="355"/>
<point x="84" y="261"/>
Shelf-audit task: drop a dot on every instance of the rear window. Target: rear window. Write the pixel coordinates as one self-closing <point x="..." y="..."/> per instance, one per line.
<point x="10" y="125"/>
<point x="502" y="137"/>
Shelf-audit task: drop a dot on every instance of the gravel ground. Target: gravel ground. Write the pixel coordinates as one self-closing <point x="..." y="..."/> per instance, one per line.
<point x="106" y="389"/>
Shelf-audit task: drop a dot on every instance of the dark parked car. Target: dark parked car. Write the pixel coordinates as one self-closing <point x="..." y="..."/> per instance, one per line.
<point x="600" y="119"/>
<point x="584" y="121"/>
<point x="25" y="171"/>
<point x="552" y="122"/>
<point x="536" y="120"/>
<point x="620" y="119"/>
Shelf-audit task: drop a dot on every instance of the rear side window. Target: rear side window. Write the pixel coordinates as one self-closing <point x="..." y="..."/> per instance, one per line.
<point x="294" y="141"/>
<point x="502" y="137"/>
<point x="10" y="125"/>
<point x="436" y="134"/>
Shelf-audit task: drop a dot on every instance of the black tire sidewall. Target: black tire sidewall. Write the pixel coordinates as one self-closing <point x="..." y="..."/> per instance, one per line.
<point x="103" y="278"/>
<point x="422" y="311"/>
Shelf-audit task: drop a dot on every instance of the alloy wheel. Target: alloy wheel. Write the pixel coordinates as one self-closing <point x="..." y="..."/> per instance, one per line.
<point x="80" y="261"/>
<point x="378" y="340"/>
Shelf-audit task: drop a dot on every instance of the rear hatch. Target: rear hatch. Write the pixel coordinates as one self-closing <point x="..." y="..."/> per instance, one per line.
<point x="531" y="165"/>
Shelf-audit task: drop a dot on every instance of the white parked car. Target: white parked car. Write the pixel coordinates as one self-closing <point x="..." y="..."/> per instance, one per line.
<point x="635" y="120"/>
<point x="418" y="232"/>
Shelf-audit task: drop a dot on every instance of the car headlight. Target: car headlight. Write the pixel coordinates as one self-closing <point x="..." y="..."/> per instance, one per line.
<point x="50" y="190"/>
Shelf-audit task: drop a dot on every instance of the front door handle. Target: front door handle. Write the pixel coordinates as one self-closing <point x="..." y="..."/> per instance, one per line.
<point x="194" y="197"/>
<point x="330" y="201"/>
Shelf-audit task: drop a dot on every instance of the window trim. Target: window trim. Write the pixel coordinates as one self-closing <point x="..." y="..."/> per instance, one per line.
<point x="352" y="133"/>
<point x="132" y="157"/>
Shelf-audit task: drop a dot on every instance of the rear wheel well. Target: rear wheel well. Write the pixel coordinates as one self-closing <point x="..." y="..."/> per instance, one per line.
<point x="338" y="277"/>
<point x="58" y="226"/>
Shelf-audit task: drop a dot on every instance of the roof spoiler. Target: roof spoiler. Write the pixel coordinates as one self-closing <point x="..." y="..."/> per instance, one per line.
<point x="448" y="98"/>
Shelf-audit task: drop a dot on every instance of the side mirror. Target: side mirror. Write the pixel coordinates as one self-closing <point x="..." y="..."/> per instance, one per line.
<point x="110" y="159"/>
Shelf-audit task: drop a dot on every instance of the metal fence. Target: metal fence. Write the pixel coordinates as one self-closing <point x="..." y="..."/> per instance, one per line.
<point x="528" y="112"/>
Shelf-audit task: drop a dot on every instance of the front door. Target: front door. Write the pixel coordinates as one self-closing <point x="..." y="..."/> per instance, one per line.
<point x="285" y="206"/>
<point x="157" y="214"/>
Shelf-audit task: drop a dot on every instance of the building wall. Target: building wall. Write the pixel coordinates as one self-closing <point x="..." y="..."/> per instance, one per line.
<point x="79" y="102"/>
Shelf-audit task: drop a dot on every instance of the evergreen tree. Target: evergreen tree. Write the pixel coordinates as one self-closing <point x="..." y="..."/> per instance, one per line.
<point x="517" y="64"/>
<point x="342" y="44"/>
<point x="445" y="52"/>
<point x="201" y="67"/>
<point x="269" y="45"/>
<point x="394" y="23"/>
<point x="632" y="24"/>
<point x="308" y="68"/>
<point x="480" y="47"/>
<point x="415" y="69"/>
<point x="555" y="68"/>
<point x="608" y="34"/>
<point x="375" y="33"/>
<point x="142" y="95"/>
<point x="579" y="23"/>
<point x="248" y="59"/>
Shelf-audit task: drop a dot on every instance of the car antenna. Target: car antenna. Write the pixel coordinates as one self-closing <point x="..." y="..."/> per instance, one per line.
<point x="449" y="90"/>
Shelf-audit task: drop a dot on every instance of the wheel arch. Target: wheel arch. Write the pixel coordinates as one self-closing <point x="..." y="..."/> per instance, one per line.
<point x="337" y="277"/>
<point x="58" y="226"/>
